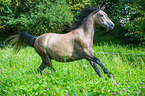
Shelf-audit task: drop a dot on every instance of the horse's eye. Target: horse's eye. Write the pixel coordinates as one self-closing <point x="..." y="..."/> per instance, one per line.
<point x="101" y="15"/>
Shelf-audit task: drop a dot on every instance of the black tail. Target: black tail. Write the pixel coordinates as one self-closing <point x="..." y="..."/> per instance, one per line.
<point x="21" y="39"/>
<point x="27" y="38"/>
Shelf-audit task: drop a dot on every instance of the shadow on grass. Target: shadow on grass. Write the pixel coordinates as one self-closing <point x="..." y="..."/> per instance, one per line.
<point x="103" y="37"/>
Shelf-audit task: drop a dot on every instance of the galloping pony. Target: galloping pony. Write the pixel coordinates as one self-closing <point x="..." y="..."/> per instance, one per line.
<point x="74" y="45"/>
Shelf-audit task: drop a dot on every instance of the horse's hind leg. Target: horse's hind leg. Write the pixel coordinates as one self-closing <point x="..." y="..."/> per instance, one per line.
<point x="41" y="67"/>
<point x="46" y="61"/>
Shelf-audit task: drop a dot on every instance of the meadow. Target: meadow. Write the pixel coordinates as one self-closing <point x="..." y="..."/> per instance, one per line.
<point x="19" y="76"/>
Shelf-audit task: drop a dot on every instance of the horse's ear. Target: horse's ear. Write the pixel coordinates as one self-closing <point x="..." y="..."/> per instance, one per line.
<point x="98" y="7"/>
<point x="103" y="7"/>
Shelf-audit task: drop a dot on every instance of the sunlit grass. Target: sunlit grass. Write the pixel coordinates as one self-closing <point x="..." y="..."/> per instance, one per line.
<point x="18" y="73"/>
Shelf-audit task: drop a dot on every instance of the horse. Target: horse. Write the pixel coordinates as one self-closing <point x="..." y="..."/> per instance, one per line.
<point x="77" y="44"/>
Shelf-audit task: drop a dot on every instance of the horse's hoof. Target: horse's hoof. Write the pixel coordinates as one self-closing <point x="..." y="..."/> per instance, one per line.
<point x="39" y="71"/>
<point x="110" y="76"/>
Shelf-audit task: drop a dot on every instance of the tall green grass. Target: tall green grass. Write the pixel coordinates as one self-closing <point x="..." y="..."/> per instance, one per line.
<point x="19" y="76"/>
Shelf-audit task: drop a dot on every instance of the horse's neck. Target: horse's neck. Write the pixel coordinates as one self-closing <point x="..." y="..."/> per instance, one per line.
<point x="88" y="27"/>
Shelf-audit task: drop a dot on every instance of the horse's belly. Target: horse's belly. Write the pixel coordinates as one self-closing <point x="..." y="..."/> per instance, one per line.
<point x="66" y="59"/>
<point x="65" y="55"/>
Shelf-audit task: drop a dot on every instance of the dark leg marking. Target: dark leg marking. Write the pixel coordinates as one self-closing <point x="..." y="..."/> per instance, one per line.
<point x="45" y="62"/>
<point x="94" y="59"/>
<point x="93" y="64"/>
<point x="104" y="69"/>
<point x="41" y="67"/>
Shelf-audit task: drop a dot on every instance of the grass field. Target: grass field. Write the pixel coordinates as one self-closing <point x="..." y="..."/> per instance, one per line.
<point x="18" y="73"/>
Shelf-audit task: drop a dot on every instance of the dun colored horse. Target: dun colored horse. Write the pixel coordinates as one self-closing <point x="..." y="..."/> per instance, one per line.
<point x="75" y="45"/>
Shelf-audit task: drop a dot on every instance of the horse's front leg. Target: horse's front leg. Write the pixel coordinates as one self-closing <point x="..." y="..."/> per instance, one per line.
<point x="94" y="59"/>
<point x="93" y="64"/>
<point x="102" y="66"/>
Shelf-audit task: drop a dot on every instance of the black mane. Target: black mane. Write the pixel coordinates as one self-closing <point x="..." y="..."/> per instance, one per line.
<point x="84" y="12"/>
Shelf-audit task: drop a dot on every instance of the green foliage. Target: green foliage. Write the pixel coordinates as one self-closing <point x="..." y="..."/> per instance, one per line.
<point x="76" y="5"/>
<point x="36" y="17"/>
<point x="18" y="73"/>
<point x="136" y="25"/>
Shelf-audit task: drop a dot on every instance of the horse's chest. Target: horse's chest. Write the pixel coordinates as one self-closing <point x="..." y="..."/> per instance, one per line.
<point x="87" y="45"/>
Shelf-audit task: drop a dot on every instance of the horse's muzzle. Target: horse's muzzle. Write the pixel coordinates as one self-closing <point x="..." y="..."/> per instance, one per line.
<point x="110" y="26"/>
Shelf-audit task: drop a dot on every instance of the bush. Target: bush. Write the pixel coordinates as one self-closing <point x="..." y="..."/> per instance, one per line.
<point x="136" y="26"/>
<point x="36" y="18"/>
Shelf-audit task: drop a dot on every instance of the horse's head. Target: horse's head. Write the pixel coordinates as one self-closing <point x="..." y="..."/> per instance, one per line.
<point x="102" y="19"/>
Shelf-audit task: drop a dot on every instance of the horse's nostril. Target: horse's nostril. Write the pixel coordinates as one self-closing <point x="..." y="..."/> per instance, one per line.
<point x="112" y="25"/>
